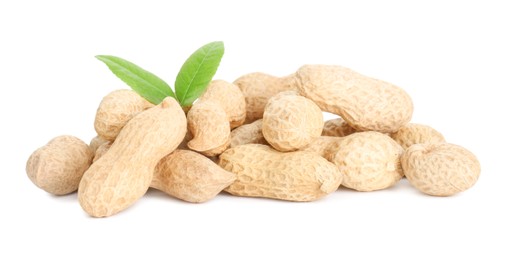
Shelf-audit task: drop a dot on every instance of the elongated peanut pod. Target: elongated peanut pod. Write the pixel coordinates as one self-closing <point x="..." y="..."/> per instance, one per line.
<point x="115" y="110"/>
<point x="190" y="176"/>
<point x="230" y="98"/>
<point x="258" y="87"/>
<point x="337" y="127"/>
<point x="417" y="134"/>
<point x="364" y="103"/>
<point x="123" y="174"/>
<point x="209" y="126"/>
<point x="264" y="172"/>
<point x="248" y="134"/>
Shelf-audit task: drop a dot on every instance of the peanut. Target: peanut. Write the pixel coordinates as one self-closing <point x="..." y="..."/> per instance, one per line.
<point x="115" y="110"/>
<point x="258" y="88"/>
<point x="230" y="98"/>
<point x="58" y="166"/>
<point x="291" y="122"/>
<point x="248" y="134"/>
<point x="103" y="148"/>
<point x="123" y="174"/>
<point x="190" y="176"/>
<point x="440" y="169"/>
<point x="369" y="160"/>
<point x="209" y="126"/>
<point x="337" y="127"/>
<point x="96" y="142"/>
<point x="417" y="134"/>
<point x="364" y="103"/>
<point x="264" y="172"/>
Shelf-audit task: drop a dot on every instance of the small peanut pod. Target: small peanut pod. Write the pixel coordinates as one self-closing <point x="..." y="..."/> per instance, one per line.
<point x="209" y="126"/>
<point x="337" y="127"/>
<point x="258" y="88"/>
<point x="96" y="142"/>
<point x="231" y="99"/>
<point x="248" y="134"/>
<point x="417" y="134"/>
<point x="369" y="160"/>
<point x="440" y="169"/>
<point x="365" y="103"/>
<point x="101" y="150"/>
<point x="291" y="122"/>
<point x="58" y="166"/>
<point x="123" y="174"/>
<point x="264" y="172"/>
<point x="190" y="176"/>
<point x="115" y="110"/>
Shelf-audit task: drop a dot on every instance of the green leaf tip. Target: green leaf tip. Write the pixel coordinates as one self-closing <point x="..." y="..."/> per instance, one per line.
<point x="197" y="72"/>
<point x="146" y="84"/>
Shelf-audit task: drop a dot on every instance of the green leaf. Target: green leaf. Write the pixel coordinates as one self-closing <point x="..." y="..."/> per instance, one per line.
<point x="146" y="84"/>
<point x="197" y="71"/>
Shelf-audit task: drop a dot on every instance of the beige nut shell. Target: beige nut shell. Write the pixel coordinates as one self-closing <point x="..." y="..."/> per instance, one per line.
<point x="264" y="172"/>
<point x="337" y="127"/>
<point x="231" y="99"/>
<point x="124" y="173"/>
<point x="417" y="134"/>
<point x="364" y="103"/>
<point x="440" y="169"/>
<point x="258" y="87"/>
<point x="190" y="176"/>
<point x="369" y="161"/>
<point x="248" y="134"/>
<point x="115" y="110"/>
<point x="291" y="122"/>
<point x="58" y="166"/>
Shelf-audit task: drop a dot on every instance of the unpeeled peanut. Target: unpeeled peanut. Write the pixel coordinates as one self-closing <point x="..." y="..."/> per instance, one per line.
<point x="291" y="121"/>
<point x="190" y="176"/>
<point x="365" y="103"/>
<point x="369" y="160"/>
<point x="417" y="134"/>
<point x="123" y="174"/>
<point x="248" y="134"/>
<point x="264" y="172"/>
<point x="230" y="98"/>
<point x="440" y="169"/>
<point x="258" y="87"/>
<point x="115" y="110"/>
<point x="58" y="166"/>
<point x="337" y="127"/>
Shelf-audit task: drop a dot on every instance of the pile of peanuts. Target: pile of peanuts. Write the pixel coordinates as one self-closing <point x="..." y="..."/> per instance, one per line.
<point x="260" y="136"/>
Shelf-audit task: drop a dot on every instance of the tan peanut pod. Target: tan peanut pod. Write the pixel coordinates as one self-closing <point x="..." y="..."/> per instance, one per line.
<point x="115" y="110"/>
<point x="231" y="99"/>
<point x="190" y="176"/>
<point x="264" y="172"/>
<point x="365" y="103"/>
<point x="369" y="161"/>
<point x="440" y="169"/>
<point x="337" y="127"/>
<point x="209" y="126"/>
<point x="248" y="134"/>
<point x="325" y="146"/>
<point x="102" y="150"/>
<point x="58" y="166"/>
<point x="123" y="174"/>
<point x="258" y="87"/>
<point x="291" y="122"/>
<point x="96" y="142"/>
<point x="417" y="134"/>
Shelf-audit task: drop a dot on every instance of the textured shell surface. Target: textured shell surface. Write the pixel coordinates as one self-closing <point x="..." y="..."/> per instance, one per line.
<point x="230" y="97"/>
<point x="123" y="174"/>
<point x="115" y="110"/>
<point x="369" y="161"/>
<point x="291" y="122"/>
<point x="258" y="87"/>
<point x="248" y="134"/>
<point x="264" y="172"/>
<point x="58" y="167"/>
<point x="337" y="127"/>
<point x="209" y="126"/>
<point x="190" y="176"/>
<point x="364" y="103"/>
<point x="440" y="169"/>
<point x="417" y="134"/>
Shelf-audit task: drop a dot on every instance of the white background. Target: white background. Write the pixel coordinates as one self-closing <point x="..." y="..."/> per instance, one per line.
<point x="450" y="57"/>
